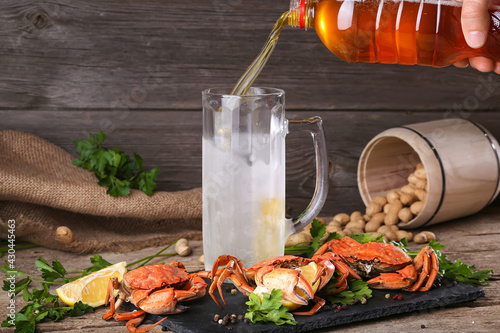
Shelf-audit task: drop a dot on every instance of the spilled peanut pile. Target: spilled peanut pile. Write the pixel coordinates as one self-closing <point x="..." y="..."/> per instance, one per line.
<point x="382" y="215"/>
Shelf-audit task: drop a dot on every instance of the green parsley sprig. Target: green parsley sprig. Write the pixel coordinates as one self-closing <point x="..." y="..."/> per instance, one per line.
<point x="113" y="168"/>
<point x="270" y="309"/>
<point x="357" y="291"/>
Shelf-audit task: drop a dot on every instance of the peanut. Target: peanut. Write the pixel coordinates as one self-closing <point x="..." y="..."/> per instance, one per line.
<point x="182" y="247"/>
<point x="404" y="234"/>
<point x="376" y="234"/>
<point x="405" y="215"/>
<point x="391" y="217"/>
<point x="386" y="207"/>
<point x="420" y="166"/>
<point x="359" y="224"/>
<point x="379" y="218"/>
<point x="412" y="179"/>
<point x="417" y="207"/>
<point x="372" y="226"/>
<point x="420" y="184"/>
<point x="300" y="237"/>
<point x="342" y="218"/>
<point x="421" y="194"/>
<point x="331" y="228"/>
<point x="407" y="199"/>
<point x="64" y="234"/>
<point x="380" y="200"/>
<point x="424" y="237"/>
<point x="356" y="216"/>
<point x="387" y="228"/>
<point x="322" y="220"/>
<point x="201" y="259"/>
<point x="408" y="189"/>
<point x="392" y="196"/>
<point x="420" y="174"/>
<point x="349" y="231"/>
<point x="373" y="208"/>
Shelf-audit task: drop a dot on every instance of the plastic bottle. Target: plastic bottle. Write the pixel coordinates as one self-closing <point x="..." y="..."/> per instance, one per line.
<point x="423" y="32"/>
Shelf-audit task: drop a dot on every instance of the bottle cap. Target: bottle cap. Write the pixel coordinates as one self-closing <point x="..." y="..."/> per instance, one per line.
<point x="302" y="12"/>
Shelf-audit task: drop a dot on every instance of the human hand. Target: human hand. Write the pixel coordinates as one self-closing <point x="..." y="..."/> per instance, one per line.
<point x="475" y="25"/>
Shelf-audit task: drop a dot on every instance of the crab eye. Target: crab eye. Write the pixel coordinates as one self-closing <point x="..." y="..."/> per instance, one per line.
<point x="376" y="260"/>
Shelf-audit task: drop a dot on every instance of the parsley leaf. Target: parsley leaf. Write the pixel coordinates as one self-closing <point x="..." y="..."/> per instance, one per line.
<point x="357" y="291"/>
<point x="98" y="263"/>
<point x="113" y="168"/>
<point x="270" y="309"/>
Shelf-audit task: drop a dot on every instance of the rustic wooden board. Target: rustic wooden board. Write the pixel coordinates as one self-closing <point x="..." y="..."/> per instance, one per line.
<point x="150" y="54"/>
<point x="172" y="141"/>
<point x="473" y="239"/>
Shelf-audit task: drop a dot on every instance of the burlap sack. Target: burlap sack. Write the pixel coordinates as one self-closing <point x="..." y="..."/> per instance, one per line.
<point x="41" y="190"/>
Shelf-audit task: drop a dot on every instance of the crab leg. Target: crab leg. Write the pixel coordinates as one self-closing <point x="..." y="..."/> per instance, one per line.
<point x="196" y="285"/>
<point x="234" y="272"/>
<point x="403" y="278"/>
<point x="319" y="304"/>
<point x="135" y="319"/>
<point x="112" y="284"/>
<point x="427" y="263"/>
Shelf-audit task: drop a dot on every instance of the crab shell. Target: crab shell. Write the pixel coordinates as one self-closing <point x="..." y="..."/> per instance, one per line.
<point x="370" y="259"/>
<point x="139" y="282"/>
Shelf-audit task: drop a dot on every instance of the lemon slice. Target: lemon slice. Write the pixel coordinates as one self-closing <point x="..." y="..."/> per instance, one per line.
<point x="308" y="271"/>
<point x="91" y="289"/>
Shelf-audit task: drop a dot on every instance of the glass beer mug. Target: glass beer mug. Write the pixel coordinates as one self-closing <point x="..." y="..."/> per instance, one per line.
<point x="244" y="174"/>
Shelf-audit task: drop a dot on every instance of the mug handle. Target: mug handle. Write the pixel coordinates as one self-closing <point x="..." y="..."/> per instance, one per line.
<point x="315" y="126"/>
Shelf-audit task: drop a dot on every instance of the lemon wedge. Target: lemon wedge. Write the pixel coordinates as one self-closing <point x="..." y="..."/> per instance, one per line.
<point x="309" y="272"/>
<point x="91" y="289"/>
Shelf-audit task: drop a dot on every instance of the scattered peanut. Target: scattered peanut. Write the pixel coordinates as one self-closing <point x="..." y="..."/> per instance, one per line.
<point x="391" y="217"/>
<point x="342" y="218"/>
<point x="372" y="226"/>
<point x="382" y="214"/>
<point x="297" y="238"/>
<point x="356" y="224"/>
<point x="404" y="234"/>
<point x="201" y="259"/>
<point x="182" y="247"/>
<point x="424" y="237"/>
<point x="64" y="234"/>
<point x="356" y="216"/>
<point x="380" y="200"/>
<point x="405" y="215"/>
<point x="375" y="222"/>
<point x="373" y="208"/>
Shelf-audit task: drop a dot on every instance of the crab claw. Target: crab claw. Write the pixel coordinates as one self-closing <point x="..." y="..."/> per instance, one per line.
<point x="288" y="280"/>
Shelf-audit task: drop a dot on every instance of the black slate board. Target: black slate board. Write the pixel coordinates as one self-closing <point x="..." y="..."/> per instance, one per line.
<point x="199" y="317"/>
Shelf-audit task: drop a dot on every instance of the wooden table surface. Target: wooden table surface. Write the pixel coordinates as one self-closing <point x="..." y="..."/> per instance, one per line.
<point x="474" y="239"/>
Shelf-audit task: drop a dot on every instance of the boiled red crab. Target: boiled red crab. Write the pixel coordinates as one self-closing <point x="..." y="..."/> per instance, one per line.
<point x="154" y="289"/>
<point x="280" y="273"/>
<point x="388" y="266"/>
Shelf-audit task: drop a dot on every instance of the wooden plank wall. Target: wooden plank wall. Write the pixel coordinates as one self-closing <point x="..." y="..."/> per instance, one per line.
<point x="136" y="69"/>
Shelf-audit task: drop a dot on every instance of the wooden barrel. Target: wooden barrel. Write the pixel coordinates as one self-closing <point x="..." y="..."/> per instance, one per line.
<point x="461" y="159"/>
